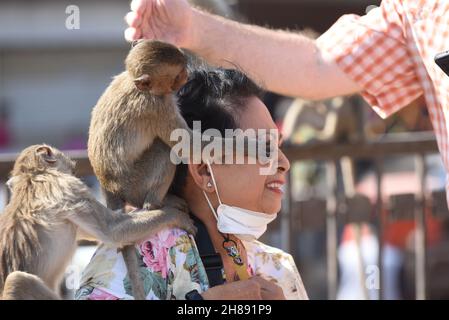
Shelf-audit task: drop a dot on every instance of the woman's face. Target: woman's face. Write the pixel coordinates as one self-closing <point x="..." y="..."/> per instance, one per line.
<point x="243" y="185"/>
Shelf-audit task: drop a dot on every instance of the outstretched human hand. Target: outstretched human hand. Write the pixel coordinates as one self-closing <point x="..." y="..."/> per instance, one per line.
<point x="165" y="20"/>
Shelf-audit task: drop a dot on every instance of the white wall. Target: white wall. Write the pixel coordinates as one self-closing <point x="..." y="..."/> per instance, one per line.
<point x="51" y="77"/>
<point x="42" y="23"/>
<point x="51" y="94"/>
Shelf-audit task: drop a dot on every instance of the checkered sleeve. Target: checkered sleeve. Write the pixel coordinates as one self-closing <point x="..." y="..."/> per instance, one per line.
<point x="372" y="50"/>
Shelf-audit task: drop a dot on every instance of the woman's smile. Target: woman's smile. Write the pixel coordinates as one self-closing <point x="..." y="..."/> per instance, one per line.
<point x="275" y="186"/>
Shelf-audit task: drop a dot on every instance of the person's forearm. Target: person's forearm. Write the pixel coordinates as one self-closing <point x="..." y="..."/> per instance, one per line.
<point x="284" y="62"/>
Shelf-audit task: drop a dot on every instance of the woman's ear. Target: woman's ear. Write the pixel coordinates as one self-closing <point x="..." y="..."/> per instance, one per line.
<point x="201" y="176"/>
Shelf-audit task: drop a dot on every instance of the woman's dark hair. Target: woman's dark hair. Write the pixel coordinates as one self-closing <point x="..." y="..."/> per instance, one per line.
<point x="216" y="97"/>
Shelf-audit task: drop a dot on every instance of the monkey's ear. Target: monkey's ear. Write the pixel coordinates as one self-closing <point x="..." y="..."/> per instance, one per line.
<point x="46" y="153"/>
<point x="10" y="183"/>
<point x="143" y="83"/>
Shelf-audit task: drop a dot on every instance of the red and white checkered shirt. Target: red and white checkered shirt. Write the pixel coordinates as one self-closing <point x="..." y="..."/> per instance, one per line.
<point x="390" y="53"/>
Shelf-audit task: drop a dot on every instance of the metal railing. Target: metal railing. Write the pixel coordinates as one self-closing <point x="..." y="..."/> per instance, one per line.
<point x="357" y="207"/>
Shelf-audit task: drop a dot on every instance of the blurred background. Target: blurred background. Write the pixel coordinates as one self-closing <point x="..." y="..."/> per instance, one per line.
<point x="365" y="215"/>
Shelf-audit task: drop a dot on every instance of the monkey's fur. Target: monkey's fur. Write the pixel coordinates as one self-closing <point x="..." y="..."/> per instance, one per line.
<point x="49" y="210"/>
<point x="129" y="135"/>
<point x="25" y="286"/>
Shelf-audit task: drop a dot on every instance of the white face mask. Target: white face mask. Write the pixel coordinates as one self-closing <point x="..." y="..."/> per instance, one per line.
<point x="245" y="224"/>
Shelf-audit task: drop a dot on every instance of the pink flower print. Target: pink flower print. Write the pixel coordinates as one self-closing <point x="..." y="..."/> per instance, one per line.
<point x="98" y="294"/>
<point x="155" y="251"/>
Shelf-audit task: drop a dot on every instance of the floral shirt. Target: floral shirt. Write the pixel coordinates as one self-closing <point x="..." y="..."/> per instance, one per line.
<point x="170" y="266"/>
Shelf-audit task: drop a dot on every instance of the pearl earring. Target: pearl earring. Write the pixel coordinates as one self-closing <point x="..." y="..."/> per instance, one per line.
<point x="209" y="185"/>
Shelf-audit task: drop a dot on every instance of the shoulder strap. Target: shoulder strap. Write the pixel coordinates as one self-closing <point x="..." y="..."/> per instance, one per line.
<point x="211" y="259"/>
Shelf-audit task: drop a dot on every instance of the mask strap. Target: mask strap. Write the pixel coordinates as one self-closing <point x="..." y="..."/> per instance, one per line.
<point x="210" y="205"/>
<point x="213" y="180"/>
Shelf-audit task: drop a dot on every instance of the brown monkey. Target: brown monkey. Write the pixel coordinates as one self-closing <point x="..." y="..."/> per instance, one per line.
<point x="129" y="135"/>
<point x="49" y="210"/>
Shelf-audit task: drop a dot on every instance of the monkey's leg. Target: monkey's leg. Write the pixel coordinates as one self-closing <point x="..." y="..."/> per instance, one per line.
<point x="24" y="286"/>
<point x="154" y="181"/>
<point x="153" y="173"/>
<point x="156" y="174"/>
<point x="128" y="252"/>
<point x="129" y="255"/>
<point x="132" y="265"/>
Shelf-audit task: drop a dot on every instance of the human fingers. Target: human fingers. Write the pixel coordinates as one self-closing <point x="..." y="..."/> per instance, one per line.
<point x="263" y="283"/>
<point x="132" y="34"/>
<point x="269" y="289"/>
<point x="139" y="6"/>
<point x="133" y="19"/>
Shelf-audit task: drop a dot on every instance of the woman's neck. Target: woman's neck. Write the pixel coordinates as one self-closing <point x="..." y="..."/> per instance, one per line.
<point x="202" y="211"/>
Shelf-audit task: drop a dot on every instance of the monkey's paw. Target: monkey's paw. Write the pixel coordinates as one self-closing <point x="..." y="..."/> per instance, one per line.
<point x="183" y="221"/>
<point x="175" y="202"/>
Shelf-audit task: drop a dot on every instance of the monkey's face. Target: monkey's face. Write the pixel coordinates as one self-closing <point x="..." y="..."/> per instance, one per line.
<point x="39" y="158"/>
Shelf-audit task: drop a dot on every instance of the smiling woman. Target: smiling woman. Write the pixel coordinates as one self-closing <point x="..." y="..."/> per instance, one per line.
<point x="233" y="202"/>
